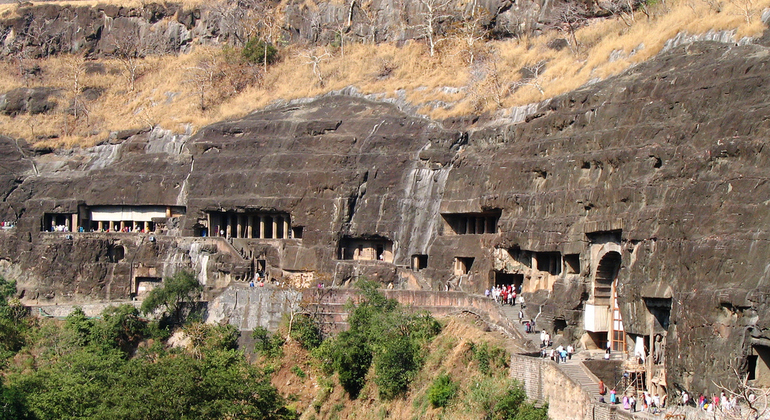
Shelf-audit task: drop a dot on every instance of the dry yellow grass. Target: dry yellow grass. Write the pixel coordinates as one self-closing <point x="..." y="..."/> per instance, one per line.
<point x="167" y="92"/>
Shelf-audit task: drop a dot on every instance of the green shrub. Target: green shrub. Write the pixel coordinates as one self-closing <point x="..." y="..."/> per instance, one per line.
<point x="298" y="371"/>
<point x="442" y="391"/>
<point x="306" y="332"/>
<point x="490" y="359"/>
<point x="266" y="344"/>
<point x="254" y="52"/>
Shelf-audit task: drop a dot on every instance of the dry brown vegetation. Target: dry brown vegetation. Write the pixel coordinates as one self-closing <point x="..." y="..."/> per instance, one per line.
<point x="320" y="397"/>
<point x="186" y="92"/>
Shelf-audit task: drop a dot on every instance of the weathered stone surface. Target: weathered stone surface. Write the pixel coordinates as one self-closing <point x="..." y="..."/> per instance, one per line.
<point x="664" y="168"/>
<point x="47" y="29"/>
<point x="27" y="101"/>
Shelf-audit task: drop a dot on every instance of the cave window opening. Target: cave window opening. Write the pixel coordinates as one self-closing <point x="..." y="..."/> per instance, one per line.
<point x="117" y="253"/>
<point x="59" y="222"/>
<point x="760" y="371"/>
<point x="572" y="263"/>
<point x="471" y="223"/>
<point x="462" y="265"/>
<point x="521" y="256"/>
<point x="419" y="262"/>
<point x="549" y="262"/>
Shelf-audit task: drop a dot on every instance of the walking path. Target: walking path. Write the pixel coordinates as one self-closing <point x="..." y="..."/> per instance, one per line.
<point x="574" y="369"/>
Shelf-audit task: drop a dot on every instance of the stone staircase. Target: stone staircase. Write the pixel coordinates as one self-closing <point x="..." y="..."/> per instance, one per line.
<point x="575" y="370"/>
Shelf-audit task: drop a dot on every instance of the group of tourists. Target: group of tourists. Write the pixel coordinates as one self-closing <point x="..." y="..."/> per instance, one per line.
<point x="504" y="294"/>
<point x="717" y="402"/>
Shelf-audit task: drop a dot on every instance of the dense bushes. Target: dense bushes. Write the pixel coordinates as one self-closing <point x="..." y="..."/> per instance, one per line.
<point x="381" y="333"/>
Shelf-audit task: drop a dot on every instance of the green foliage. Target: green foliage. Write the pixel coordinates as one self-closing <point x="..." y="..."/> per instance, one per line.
<point x="13" y="325"/>
<point x="306" y="332"/>
<point x="396" y="365"/>
<point x="442" y="391"/>
<point x="299" y="372"/>
<point x="254" y="52"/>
<point x="490" y="359"/>
<point x="507" y="407"/>
<point x="177" y="289"/>
<point x="381" y="333"/>
<point x="221" y="384"/>
<point x="266" y="344"/>
<point x="121" y="327"/>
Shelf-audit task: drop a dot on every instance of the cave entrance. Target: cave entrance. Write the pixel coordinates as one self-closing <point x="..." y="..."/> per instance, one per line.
<point x="597" y="340"/>
<point x="759" y="365"/>
<point x="559" y="325"/>
<point x="606" y="273"/>
<point x="419" y="262"/>
<point x="504" y="279"/>
<point x="144" y="285"/>
<point x="462" y="265"/>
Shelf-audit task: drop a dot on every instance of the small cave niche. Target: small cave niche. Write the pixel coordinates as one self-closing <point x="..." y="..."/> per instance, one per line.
<point x="419" y="262"/>
<point x="462" y="265"/>
<point x="116" y="253"/>
<point x="549" y="262"/>
<point x="572" y="263"/>
<point x="521" y="256"/>
<point x="297" y="231"/>
<point x="660" y="308"/>
<point x="759" y="365"/>
<point x="559" y="325"/>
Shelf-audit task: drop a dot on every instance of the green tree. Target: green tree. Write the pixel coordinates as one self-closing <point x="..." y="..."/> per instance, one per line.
<point x="257" y="51"/>
<point x="13" y="326"/>
<point x="381" y="333"/>
<point x="180" y="288"/>
<point x="120" y="327"/>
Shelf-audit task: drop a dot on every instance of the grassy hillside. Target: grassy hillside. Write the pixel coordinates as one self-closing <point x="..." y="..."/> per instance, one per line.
<point x="487" y="77"/>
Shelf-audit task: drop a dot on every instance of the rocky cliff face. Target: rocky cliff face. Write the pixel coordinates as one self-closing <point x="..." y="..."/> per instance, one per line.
<point x="43" y="30"/>
<point x="648" y="192"/>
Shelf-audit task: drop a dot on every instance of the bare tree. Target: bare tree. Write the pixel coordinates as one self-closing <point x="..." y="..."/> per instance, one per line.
<point x="203" y="77"/>
<point x="748" y="401"/>
<point x="745" y="8"/>
<point x="74" y="72"/>
<point x="571" y="16"/>
<point x="315" y="60"/>
<point x="531" y="77"/>
<point x="434" y="11"/>
<point x="268" y="26"/>
<point x="472" y="32"/>
<point x="129" y="52"/>
<point x="488" y="85"/>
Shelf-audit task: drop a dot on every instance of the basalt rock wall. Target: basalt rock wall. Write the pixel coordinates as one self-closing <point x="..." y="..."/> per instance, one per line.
<point x="168" y="28"/>
<point x="654" y="182"/>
